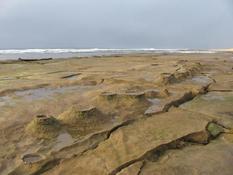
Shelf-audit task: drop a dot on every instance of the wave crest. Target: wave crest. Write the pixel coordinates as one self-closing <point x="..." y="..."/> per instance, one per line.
<point x="96" y="50"/>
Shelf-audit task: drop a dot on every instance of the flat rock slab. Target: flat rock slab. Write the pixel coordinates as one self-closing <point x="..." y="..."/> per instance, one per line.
<point x="213" y="159"/>
<point x="217" y="105"/>
<point x="223" y="82"/>
<point x="132" y="142"/>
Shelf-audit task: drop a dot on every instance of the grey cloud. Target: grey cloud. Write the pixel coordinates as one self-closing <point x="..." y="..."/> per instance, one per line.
<point x="118" y="24"/>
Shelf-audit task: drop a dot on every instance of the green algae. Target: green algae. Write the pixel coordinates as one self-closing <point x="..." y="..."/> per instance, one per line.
<point x="214" y="129"/>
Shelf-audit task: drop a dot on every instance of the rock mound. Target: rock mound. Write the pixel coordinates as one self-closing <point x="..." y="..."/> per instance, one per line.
<point x="186" y="71"/>
<point x="43" y="127"/>
<point x="77" y="115"/>
<point x="132" y="96"/>
<point x="167" y="78"/>
<point x="123" y="105"/>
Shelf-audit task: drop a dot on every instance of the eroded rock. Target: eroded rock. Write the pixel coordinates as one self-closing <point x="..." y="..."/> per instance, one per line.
<point x="214" y="104"/>
<point x="76" y="114"/>
<point x="43" y="127"/>
<point x="131" y="143"/>
<point x="212" y="159"/>
<point x="32" y="158"/>
<point x="215" y="129"/>
<point x="186" y="71"/>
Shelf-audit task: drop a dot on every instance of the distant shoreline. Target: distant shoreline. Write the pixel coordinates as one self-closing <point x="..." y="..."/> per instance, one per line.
<point x="12" y="54"/>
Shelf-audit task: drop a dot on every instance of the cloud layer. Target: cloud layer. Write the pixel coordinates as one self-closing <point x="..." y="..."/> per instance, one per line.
<point x="116" y="24"/>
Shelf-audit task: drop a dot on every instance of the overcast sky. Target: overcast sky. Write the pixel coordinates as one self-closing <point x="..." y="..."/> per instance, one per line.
<point x="116" y="24"/>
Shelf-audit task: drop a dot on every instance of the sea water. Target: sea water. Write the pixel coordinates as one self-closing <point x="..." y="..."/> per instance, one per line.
<point x="15" y="54"/>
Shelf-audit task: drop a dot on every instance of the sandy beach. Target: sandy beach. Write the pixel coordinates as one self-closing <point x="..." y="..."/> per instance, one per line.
<point x="118" y="115"/>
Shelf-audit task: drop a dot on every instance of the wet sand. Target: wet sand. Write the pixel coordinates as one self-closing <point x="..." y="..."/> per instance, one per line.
<point x="125" y="114"/>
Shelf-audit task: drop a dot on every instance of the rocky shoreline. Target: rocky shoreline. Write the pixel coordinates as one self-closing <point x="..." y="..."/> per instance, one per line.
<point x="162" y="114"/>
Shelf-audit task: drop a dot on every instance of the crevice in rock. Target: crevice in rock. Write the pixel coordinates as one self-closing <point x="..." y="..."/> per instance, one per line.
<point x="186" y="98"/>
<point x="176" y="103"/>
<point x="141" y="168"/>
<point x="97" y="138"/>
<point x="105" y="135"/>
<point x="209" y="116"/>
<point x="48" y="166"/>
<point x="93" y="142"/>
<point x="70" y="76"/>
<point x="221" y="90"/>
<point x="203" y="138"/>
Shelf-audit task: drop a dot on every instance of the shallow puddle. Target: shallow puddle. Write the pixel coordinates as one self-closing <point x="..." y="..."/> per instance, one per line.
<point x="203" y="80"/>
<point x="155" y="106"/>
<point x="39" y="94"/>
<point x="7" y="78"/>
<point x="63" y="140"/>
<point x="5" y="100"/>
<point x="31" y="158"/>
<point x="154" y="101"/>
<point x="213" y="96"/>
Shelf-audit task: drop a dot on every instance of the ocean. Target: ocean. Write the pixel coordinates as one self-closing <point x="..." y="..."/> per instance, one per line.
<point x="14" y="54"/>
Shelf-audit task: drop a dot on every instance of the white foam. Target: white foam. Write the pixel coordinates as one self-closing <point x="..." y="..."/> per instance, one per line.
<point x="96" y="50"/>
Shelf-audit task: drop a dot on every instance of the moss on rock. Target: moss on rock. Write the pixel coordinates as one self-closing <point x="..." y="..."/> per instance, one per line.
<point x="214" y="129"/>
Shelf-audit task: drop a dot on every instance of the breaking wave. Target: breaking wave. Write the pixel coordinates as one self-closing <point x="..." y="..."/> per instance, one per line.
<point x="96" y="50"/>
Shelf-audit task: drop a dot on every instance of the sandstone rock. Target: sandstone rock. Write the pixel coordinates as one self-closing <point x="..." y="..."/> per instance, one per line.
<point x="214" y="129"/>
<point x="131" y="143"/>
<point x="212" y="159"/>
<point x="43" y="127"/>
